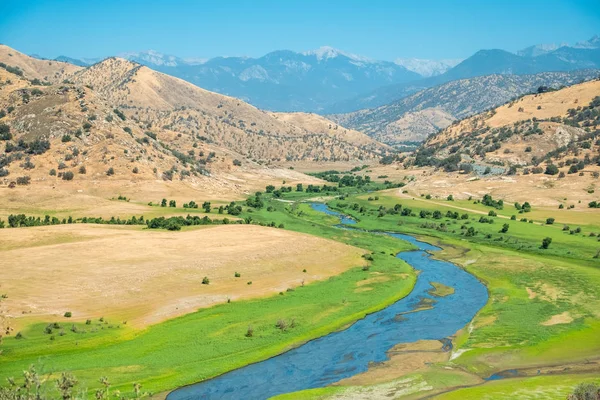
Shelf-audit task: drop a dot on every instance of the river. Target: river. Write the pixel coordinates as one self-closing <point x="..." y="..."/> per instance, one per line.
<point x="343" y="354"/>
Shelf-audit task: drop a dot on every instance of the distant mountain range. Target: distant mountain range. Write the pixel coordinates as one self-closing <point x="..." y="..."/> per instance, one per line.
<point x="583" y="55"/>
<point x="415" y="117"/>
<point x="328" y="80"/>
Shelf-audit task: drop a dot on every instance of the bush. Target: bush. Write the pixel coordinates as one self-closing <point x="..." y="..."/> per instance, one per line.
<point x="237" y="163"/>
<point x="546" y="242"/>
<point x="119" y="114"/>
<point x="82" y="170"/>
<point x="52" y="172"/>
<point x="5" y="132"/>
<point x="549" y="221"/>
<point x="66" y="138"/>
<point x="585" y="391"/>
<point x="23" y="180"/>
<point x="110" y="171"/>
<point x="68" y="314"/>
<point x="135" y="170"/>
<point x="237" y="274"/>
<point x="68" y="176"/>
<point x="205" y="280"/>
<point x="551" y="169"/>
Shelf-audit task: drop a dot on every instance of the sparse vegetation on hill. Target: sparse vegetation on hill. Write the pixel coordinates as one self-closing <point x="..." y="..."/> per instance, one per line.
<point x="565" y="130"/>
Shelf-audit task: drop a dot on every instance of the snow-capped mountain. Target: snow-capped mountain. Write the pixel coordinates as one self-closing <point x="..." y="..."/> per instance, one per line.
<point x="427" y="68"/>
<point x="283" y="80"/>
<point x="151" y="57"/>
<point x="542" y="49"/>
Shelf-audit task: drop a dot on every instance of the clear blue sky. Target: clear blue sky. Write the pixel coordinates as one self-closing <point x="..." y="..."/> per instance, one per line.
<point x="374" y="28"/>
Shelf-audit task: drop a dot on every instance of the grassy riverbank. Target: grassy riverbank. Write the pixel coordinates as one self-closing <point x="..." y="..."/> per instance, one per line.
<point x="215" y="340"/>
<point x="544" y="302"/>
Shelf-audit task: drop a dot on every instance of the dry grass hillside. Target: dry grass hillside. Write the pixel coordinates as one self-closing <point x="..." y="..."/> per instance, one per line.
<point x="47" y="71"/>
<point x="317" y="123"/>
<point x="160" y="102"/>
<point x="415" y="117"/>
<point x="69" y="136"/>
<point x="558" y="128"/>
<point x="122" y="123"/>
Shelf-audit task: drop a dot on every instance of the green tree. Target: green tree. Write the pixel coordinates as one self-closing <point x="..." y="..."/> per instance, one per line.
<point x="546" y="242"/>
<point x="163" y="203"/>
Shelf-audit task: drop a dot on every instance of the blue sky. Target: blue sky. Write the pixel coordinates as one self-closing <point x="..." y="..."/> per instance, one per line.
<point x="378" y="29"/>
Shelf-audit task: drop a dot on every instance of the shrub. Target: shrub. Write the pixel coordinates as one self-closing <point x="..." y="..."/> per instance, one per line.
<point x="23" y="180"/>
<point x="250" y="331"/>
<point x="551" y="169"/>
<point x="82" y="170"/>
<point x="68" y="314"/>
<point x="52" y="172"/>
<point x="110" y="171"/>
<point x="5" y="132"/>
<point x="549" y="221"/>
<point x="504" y="228"/>
<point x="66" y="138"/>
<point x="119" y="114"/>
<point x="237" y="163"/>
<point x="237" y="274"/>
<point x="68" y="176"/>
<point x="205" y="280"/>
<point x="546" y="242"/>
<point x="135" y="170"/>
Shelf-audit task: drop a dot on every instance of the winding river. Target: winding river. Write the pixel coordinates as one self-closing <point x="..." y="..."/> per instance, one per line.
<point x="343" y="354"/>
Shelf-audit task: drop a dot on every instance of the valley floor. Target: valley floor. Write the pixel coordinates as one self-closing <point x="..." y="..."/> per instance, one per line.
<point x="542" y="314"/>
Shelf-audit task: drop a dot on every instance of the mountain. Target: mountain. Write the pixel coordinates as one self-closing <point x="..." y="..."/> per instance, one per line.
<point x="427" y="68"/>
<point x="121" y="115"/>
<point x="417" y="116"/>
<point x="285" y="80"/>
<point x="555" y="126"/>
<point x="585" y="55"/>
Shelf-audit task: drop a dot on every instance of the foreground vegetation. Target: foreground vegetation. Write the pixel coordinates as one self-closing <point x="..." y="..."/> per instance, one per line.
<point x="201" y="345"/>
<point x="543" y="308"/>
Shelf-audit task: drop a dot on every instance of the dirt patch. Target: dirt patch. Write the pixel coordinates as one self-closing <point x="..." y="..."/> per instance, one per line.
<point x="376" y="279"/>
<point x="404" y="358"/>
<point x="564" y="318"/>
<point x="531" y="293"/>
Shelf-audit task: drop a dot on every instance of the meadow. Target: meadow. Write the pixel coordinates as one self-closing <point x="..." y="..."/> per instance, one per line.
<point x="542" y="312"/>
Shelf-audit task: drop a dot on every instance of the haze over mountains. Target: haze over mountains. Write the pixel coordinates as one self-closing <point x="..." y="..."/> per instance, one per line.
<point x="328" y="80"/>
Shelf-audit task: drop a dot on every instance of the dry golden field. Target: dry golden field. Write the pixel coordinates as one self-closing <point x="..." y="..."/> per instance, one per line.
<point x="147" y="276"/>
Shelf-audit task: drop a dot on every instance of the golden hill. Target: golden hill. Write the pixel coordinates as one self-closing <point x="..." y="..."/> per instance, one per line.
<point x="69" y="136"/>
<point x="320" y="124"/>
<point x="119" y="121"/>
<point x="159" y="101"/>
<point x="560" y="127"/>
<point x="45" y="70"/>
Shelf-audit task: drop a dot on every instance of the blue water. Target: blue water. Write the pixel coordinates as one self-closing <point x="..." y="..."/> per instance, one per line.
<point x="346" y="353"/>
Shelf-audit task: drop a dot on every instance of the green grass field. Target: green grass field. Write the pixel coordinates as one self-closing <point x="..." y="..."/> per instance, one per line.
<point x="544" y="307"/>
<point x="212" y="341"/>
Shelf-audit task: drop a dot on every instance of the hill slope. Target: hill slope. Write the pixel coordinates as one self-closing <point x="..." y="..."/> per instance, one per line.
<point x="415" y="117"/>
<point x="117" y="120"/>
<point x="559" y="127"/>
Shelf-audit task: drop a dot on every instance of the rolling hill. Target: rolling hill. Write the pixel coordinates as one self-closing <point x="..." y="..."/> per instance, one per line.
<point x="556" y="127"/>
<point x="414" y="118"/>
<point x="120" y="120"/>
